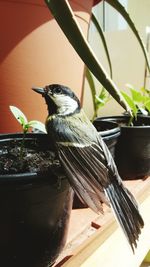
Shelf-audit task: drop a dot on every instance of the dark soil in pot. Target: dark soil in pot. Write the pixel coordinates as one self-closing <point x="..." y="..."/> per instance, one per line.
<point x="35" y="204"/>
<point x="29" y="158"/>
<point x="132" y="154"/>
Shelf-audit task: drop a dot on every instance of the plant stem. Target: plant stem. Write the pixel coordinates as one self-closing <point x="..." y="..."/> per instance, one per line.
<point x="94" y="115"/>
<point x="22" y="145"/>
<point x="130" y="123"/>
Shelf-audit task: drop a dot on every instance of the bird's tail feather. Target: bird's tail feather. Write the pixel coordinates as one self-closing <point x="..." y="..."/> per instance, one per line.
<point x="126" y="211"/>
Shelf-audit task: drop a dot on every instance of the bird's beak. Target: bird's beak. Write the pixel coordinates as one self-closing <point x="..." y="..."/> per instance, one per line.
<point x="39" y="90"/>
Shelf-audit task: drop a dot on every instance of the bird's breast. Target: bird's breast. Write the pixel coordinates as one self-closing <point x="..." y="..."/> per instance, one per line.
<point x="60" y="129"/>
<point x="71" y="129"/>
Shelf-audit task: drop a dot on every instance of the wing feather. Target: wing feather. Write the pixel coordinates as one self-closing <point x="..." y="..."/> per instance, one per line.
<point x="87" y="175"/>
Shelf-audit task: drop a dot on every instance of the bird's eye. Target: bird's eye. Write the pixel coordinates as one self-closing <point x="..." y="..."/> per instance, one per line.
<point x="57" y="90"/>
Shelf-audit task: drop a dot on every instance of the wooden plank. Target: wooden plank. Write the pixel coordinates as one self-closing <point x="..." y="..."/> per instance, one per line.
<point x="147" y="258"/>
<point x="108" y="247"/>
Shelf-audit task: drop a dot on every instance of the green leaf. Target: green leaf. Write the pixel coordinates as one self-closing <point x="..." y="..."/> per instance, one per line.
<point x="102" y="99"/>
<point x="67" y="21"/>
<point x="116" y="4"/>
<point x="102" y="36"/>
<point x="92" y="86"/>
<point x="19" y="115"/>
<point x="136" y="96"/>
<point x="147" y="105"/>
<point x="104" y="94"/>
<point x="99" y="101"/>
<point x="130" y="103"/>
<point x="37" y="125"/>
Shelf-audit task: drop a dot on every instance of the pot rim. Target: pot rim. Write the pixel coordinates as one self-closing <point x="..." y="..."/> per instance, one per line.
<point x="113" y="130"/>
<point x="26" y="177"/>
<point x="124" y="118"/>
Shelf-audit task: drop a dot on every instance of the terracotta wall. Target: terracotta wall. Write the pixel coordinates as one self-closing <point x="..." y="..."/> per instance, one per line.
<point x="34" y="51"/>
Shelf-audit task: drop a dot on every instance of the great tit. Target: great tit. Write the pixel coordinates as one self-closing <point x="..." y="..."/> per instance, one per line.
<point x="87" y="161"/>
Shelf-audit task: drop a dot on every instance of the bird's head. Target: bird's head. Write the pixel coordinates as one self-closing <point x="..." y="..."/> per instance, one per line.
<point x="60" y="99"/>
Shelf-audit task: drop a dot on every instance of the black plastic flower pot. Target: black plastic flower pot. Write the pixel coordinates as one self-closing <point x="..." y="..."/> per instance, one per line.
<point x="109" y="132"/>
<point x="34" y="211"/>
<point x="132" y="154"/>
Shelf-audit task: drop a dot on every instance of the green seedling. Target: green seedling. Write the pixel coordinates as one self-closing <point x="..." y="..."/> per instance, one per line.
<point x="26" y="125"/>
<point x="139" y="101"/>
<point x="100" y="100"/>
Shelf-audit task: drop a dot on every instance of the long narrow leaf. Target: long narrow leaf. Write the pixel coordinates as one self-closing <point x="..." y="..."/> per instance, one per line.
<point x="65" y="17"/>
<point x="92" y="86"/>
<point x="101" y="33"/>
<point x="116" y="4"/>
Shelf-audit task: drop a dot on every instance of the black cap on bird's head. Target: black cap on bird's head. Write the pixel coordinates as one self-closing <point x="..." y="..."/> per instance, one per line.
<point x="60" y="99"/>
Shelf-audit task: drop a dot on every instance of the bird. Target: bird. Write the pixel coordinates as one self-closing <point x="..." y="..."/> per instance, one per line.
<point x="87" y="161"/>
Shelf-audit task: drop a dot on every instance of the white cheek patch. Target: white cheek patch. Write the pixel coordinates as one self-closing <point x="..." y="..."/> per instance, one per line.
<point x="66" y="105"/>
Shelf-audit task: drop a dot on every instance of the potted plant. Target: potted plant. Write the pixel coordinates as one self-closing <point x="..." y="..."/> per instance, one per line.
<point x="73" y="32"/>
<point x="132" y="154"/>
<point x="35" y="199"/>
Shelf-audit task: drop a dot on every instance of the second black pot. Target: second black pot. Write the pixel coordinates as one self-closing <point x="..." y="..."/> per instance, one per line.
<point x="132" y="153"/>
<point x="109" y="132"/>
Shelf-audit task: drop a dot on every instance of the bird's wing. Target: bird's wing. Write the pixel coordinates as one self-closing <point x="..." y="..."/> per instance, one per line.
<point x="86" y="172"/>
<point x="91" y="176"/>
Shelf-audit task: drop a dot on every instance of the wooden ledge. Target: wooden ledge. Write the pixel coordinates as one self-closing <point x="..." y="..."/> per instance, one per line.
<point x="107" y="246"/>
